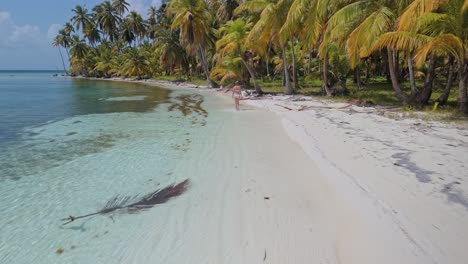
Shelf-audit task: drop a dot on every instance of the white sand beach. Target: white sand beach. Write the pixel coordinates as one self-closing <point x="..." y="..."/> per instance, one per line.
<point x="271" y="185"/>
<point x="400" y="185"/>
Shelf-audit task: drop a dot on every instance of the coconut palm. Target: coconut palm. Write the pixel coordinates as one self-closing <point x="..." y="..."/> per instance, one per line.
<point x="404" y="36"/>
<point x="226" y="10"/>
<point x="193" y="20"/>
<point x="152" y="14"/>
<point x="81" y="18"/>
<point x="309" y="20"/>
<point x="92" y="34"/>
<point x="104" y="61"/>
<point x="168" y="49"/>
<point x="229" y="69"/>
<point x="58" y="43"/>
<point x="267" y="30"/>
<point x="136" y="63"/>
<point x="135" y="23"/>
<point x="120" y="6"/>
<point x="79" y="48"/>
<point x="234" y="45"/>
<point x="108" y="19"/>
<point x="448" y="35"/>
<point x="78" y="51"/>
<point x="252" y="7"/>
<point x="126" y="33"/>
<point x="65" y="39"/>
<point x="68" y="27"/>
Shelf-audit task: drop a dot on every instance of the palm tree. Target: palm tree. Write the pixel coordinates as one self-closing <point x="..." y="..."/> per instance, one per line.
<point x="234" y="45"/>
<point x="229" y="69"/>
<point x="79" y="48"/>
<point x="448" y="32"/>
<point x="152" y="14"/>
<point x="226" y="9"/>
<point x="136" y="63"/>
<point x="78" y="52"/>
<point x="168" y="49"/>
<point x="193" y="19"/>
<point x="253" y="7"/>
<point x="120" y="6"/>
<point x="108" y="19"/>
<point x="92" y="34"/>
<point x="135" y="23"/>
<point x="68" y="28"/>
<point x="267" y="30"/>
<point x="57" y="43"/>
<point x="81" y="18"/>
<point x="309" y="19"/>
<point x="65" y="40"/>
<point x="104" y="61"/>
<point x="126" y="33"/>
<point x="404" y="36"/>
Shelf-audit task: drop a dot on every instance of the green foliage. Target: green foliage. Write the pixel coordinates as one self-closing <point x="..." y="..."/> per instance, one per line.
<point x="316" y="43"/>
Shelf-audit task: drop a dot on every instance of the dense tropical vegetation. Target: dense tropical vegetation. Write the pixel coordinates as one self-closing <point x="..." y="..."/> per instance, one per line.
<point x="416" y="46"/>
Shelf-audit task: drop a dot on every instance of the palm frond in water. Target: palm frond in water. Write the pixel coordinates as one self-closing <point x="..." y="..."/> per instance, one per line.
<point x="134" y="204"/>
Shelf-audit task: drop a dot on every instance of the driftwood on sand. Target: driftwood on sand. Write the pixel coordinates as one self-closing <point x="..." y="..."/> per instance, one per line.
<point x="135" y="204"/>
<point x="322" y="107"/>
<point x="303" y="108"/>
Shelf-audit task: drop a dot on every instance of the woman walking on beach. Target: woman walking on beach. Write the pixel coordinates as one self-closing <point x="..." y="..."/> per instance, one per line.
<point x="236" y="94"/>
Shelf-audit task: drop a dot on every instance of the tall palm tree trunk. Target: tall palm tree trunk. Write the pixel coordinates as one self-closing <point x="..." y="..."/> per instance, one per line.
<point x="414" y="89"/>
<point x="462" y="93"/>
<point x="289" y="89"/>
<point x="443" y="98"/>
<point x="63" y="62"/>
<point x="267" y="62"/>
<point x="426" y="92"/>
<point x="252" y="75"/>
<point x="206" y="68"/>
<point x="325" y="75"/>
<point x="294" y="72"/>
<point x="394" y="79"/>
<point x="357" y="75"/>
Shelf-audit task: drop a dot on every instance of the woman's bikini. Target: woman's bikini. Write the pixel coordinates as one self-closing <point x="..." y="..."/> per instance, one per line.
<point x="237" y="94"/>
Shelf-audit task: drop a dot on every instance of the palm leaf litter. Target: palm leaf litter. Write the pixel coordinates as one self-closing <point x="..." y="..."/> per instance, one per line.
<point x="135" y="204"/>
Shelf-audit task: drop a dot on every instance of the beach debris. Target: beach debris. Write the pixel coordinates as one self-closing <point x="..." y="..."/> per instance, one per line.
<point x="264" y="256"/>
<point x="285" y="107"/>
<point x="266" y="198"/>
<point x="358" y="102"/>
<point x="59" y="251"/>
<point x="304" y="107"/>
<point x="135" y="204"/>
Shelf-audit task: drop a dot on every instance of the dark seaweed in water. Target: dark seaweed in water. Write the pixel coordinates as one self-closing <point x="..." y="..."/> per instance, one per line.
<point x="188" y="104"/>
<point x="29" y="158"/>
<point x="133" y="204"/>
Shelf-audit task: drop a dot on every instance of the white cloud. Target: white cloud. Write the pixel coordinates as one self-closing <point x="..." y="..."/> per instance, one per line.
<point x="142" y="6"/>
<point x="52" y="32"/>
<point x="14" y="36"/>
<point x="25" y="46"/>
<point x="4" y="16"/>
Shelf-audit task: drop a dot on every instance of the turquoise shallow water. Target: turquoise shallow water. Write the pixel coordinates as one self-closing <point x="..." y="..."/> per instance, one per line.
<point x="68" y="146"/>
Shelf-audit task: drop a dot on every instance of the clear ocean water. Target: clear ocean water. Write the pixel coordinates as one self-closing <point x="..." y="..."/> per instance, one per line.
<point x="67" y="146"/>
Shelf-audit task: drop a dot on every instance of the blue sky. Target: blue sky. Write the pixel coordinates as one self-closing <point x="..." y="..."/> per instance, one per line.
<point x="27" y="28"/>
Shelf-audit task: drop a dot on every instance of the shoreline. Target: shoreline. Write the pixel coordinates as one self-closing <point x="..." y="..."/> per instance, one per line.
<point x="391" y="112"/>
<point x="396" y="187"/>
